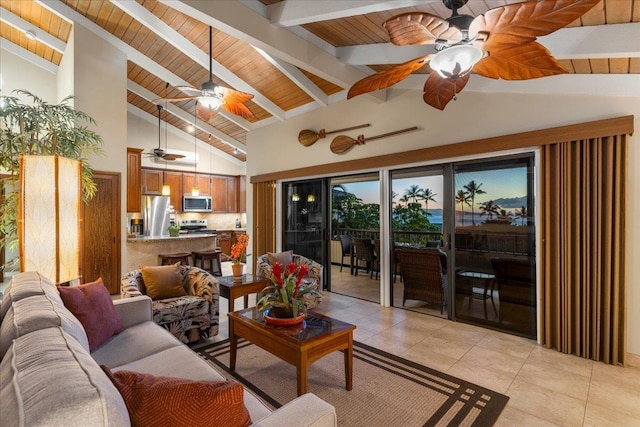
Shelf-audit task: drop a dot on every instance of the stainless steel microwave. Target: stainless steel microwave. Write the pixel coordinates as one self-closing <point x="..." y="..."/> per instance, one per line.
<point x="196" y="203"/>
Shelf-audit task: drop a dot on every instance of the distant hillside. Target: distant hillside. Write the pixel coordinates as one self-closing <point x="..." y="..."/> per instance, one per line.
<point x="511" y="203"/>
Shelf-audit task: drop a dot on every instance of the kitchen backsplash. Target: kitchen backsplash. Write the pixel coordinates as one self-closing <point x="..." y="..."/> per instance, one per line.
<point x="226" y="221"/>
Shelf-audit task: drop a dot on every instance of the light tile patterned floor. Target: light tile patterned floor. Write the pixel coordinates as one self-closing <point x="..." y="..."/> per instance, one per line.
<point x="545" y="387"/>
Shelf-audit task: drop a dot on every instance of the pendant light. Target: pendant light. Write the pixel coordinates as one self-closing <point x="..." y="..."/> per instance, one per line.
<point x="195" y="191"/>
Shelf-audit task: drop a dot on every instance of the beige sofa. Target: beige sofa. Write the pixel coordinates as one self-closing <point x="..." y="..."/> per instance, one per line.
<point x="49" y="377"/>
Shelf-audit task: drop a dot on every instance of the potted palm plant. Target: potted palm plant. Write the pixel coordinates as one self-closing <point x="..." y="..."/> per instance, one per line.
<point x="38" y="128"/>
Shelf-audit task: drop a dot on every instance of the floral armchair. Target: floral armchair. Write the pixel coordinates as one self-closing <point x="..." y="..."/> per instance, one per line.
<point x="190" y="317"/>
<point x="315" y="269"/>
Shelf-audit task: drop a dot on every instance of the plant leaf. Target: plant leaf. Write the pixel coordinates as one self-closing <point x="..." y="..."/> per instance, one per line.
<point x="386" y="78"/>
<point x="420" y="28"/>
<point x="519" y="23"/>
<point x="439" y="91"/>
<point x="528" y="61"/>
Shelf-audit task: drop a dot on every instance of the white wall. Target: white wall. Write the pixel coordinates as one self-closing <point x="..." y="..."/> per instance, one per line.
<point x="473" y="116"/>
<point x="20" y="74"/>
<point x="142" y="132"/>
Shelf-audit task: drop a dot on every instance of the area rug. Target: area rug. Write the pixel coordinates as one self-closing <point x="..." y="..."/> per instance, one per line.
<point x="387" y="390"/>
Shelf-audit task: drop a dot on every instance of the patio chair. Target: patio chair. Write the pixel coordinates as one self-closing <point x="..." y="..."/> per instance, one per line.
<point x="346" y="243"/>
<point x="423" y="275"/>
<point x="364" y="250"/>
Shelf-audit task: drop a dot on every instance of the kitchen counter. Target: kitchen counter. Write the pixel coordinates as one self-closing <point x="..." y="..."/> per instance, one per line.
<point x="147" y="239"/>
<point x="143" y="251"/>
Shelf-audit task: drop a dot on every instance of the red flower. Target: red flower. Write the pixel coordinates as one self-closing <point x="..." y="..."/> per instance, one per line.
<point x="291" y="268"/>
<point x="277" y="273"/>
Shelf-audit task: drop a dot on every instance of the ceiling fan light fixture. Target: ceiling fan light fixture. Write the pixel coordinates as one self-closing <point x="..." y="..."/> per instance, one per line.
<point x="445" y="61"/>
<point x="210" y="102"/>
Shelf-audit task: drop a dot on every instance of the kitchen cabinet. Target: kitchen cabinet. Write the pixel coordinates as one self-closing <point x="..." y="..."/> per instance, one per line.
<point x="224" y="242"/>
<point x="242" y="193"/>
<point x="203" y="180"/>
<point x="134" y="179"/>
<point x="224" y="193"/>
<point x="152" y="181"/>
<point x="174" y="180"/>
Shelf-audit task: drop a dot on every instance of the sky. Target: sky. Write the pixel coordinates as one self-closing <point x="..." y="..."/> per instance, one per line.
<point x="498" y="184"/>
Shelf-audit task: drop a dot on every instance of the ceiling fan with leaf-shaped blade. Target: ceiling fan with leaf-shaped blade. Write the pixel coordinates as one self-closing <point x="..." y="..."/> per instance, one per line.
<point x="211" y="96"/>
<point x="159" y="152"/>
<point x="500" y="44"/>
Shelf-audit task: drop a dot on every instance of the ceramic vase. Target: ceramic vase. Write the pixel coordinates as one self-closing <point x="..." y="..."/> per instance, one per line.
<point x="237" y="269"/>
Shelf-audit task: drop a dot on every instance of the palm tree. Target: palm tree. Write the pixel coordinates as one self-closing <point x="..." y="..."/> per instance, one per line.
<point x="489" y="208"/>
<point x="463" y="198"/>
<point x="522" y="214"/>
<point x="473" y="189"/>
<point x="404" y="199"/>
<point x="414" y="192"/>
<point x="427" y="196"/>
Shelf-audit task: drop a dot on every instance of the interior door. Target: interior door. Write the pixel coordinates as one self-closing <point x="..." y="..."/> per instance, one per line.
<point x="304" y="228"/>
<point x="101" y="253"/>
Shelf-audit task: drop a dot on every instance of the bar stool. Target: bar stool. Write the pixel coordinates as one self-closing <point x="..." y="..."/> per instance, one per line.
<point x="167" y="259"/>
<point x="212" y="256"/>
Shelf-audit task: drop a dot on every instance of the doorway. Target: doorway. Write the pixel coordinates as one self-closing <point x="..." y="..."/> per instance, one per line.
<point x="101" y="233"/>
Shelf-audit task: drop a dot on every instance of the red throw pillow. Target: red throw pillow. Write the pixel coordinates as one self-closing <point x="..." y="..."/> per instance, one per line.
<point x="154" y="401"/>
<point x="93" y="307"/>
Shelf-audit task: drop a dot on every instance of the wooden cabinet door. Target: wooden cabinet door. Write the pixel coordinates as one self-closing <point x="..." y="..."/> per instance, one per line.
<point x="174" y="181"/>
<point x="224" y="241"/>
<point x="219" y="193"/>
<point x="152" y="181"/>
<point x="232" y="194"/>
<point x="134" y="179"/>
<point x="203" y="180"/>
<point x="242" y="194"/>
<point x="101" y="233"/>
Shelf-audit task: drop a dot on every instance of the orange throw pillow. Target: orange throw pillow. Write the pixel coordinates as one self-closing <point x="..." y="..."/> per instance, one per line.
<point x="155" y="401"/>
<point x="163" y="281"/>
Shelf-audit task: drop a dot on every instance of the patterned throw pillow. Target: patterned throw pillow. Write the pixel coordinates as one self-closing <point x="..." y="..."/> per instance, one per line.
<point x="284" y="258"/>
<point x="155" y="400"/>
<point x="163" y="281"/>
<point x="91" y="304"/>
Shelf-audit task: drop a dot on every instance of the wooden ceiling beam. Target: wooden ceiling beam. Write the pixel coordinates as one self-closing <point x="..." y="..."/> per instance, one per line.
<point x="174" y="38"/>
<point x="186" y="117"/>
<point x="247" y="25"/>
<point x="291" y="13"/>
<point x="133" y="55"/>
<point x="42" y="36"/>
<point x="601" y="41"/>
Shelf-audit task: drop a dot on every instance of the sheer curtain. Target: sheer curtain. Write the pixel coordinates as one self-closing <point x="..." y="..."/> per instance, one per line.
<point x="583" y="263"/>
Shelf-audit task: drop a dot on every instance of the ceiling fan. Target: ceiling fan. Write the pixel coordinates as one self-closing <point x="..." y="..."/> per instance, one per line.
<point x="159" y="152"/>
<point x="211" y="96"/>
<point x="499" y="44"/>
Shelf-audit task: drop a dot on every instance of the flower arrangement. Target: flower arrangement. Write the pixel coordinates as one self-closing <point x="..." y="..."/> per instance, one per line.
<point x="239" y="249"/>
<point x="287" y="293"/>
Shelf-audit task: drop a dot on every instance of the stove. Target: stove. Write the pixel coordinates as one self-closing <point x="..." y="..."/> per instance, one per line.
<point x="195" y="226"/>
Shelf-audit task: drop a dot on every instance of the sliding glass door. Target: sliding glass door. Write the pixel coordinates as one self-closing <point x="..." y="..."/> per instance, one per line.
<point x="494" y="244"/>
<point x="304" y="219"/>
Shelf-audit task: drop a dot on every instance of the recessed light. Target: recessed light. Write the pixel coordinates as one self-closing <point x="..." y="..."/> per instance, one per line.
<point x="31" y="35"/>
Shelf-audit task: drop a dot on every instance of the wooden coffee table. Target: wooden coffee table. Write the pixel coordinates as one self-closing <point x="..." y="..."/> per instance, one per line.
<point x="299" y="346"/>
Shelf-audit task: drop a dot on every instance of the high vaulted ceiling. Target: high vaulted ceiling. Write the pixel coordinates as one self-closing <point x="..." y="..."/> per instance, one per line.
<point x="295" y="56"/>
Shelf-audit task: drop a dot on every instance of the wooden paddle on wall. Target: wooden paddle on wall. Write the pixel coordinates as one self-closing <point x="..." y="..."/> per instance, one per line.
<point x="343" y="143"/>
<point x="308" y="137"/>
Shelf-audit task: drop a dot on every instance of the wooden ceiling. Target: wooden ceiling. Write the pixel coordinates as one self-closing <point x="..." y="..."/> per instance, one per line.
<point x="294" y="56"/>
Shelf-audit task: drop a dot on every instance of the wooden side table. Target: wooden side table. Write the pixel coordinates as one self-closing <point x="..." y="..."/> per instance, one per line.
<point x="250" y="285"/>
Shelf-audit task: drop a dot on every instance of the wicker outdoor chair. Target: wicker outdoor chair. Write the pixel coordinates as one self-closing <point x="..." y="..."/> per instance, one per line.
<point x="423" y="275"/>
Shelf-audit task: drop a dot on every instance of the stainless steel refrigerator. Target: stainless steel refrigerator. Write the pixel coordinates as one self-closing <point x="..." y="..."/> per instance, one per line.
<point x="156" y="215"/>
